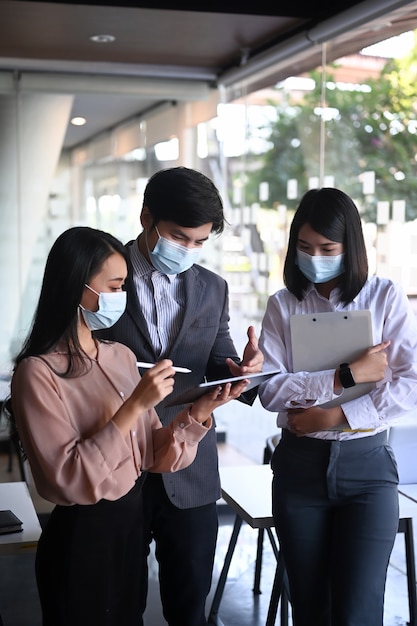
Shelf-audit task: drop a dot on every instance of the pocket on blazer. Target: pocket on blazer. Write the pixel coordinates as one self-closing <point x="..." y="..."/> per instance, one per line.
<point x="205" y="322"/>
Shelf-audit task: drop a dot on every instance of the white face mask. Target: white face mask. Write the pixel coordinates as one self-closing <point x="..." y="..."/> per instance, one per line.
<point x="171" y="258"/>
<point x="111" y="307"/>
<point x="320" y="269"/>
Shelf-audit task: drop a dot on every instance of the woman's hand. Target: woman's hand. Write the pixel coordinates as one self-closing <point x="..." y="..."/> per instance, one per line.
<point x="316" y="418"/>
<point x="155" y="385"/>
<point x="371" y="365"/>
<point x="205" y="405"/>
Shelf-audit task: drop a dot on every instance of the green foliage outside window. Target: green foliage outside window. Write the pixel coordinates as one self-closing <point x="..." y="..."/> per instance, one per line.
<point x="372" y="127"/>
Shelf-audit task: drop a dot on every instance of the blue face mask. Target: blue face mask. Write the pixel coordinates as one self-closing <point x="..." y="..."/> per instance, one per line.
<point x="171" y="258"/>
<point x="320" y="269"/>
<point x="111" y="307"/>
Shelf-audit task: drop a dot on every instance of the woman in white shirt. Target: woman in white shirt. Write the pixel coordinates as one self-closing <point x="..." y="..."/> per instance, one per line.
<point x="335" y="501"/>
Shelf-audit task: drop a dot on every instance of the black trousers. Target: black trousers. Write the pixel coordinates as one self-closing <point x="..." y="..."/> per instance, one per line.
<point x="87" y="563"/>
<point x="335" y="506"/>
<point x="185" y="543"/>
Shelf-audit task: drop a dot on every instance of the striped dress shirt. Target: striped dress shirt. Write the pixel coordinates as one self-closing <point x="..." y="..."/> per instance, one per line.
<point x="162" y="300"/>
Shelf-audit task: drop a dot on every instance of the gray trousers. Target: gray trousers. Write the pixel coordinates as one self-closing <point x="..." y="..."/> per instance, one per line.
<point x="335" y="507"/>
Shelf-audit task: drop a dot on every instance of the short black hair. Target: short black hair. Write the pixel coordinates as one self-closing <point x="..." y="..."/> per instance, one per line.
<point x="184" y="196"/>
<point x="74" y="259"/>
<point x="333" y="214"/>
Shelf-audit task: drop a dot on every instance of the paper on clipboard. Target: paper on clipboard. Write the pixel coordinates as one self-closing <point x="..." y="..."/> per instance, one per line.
<point x="322" y="341"/>
<point x="196" y="392"/>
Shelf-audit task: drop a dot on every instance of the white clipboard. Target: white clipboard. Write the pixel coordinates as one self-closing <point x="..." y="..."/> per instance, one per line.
<point x="322" y="341"/>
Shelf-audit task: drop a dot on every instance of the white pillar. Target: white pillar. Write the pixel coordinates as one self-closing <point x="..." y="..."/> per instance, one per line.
<point x="32" y="129"/>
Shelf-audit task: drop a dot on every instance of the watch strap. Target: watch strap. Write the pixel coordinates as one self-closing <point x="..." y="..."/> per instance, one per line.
<point x="346" y="376"/>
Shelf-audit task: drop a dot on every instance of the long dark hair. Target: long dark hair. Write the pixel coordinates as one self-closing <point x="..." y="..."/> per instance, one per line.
<point x="75" y="258"/>
<point x="333" y="214"/>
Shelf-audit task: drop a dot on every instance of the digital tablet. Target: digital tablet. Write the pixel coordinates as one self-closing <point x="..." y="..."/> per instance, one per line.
<point x="196" y="392"/>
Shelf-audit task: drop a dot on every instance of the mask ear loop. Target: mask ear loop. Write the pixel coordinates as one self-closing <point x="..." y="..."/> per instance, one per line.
<point x="91" y="289"/>
<point x="80" y="306"/>
<point x="146" y="239"/>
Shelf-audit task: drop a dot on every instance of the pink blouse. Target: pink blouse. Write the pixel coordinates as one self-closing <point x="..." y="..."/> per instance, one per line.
<point x="76" y="453"/>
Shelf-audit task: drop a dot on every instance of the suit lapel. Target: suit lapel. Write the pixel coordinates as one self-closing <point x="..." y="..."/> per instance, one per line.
<point x="134" y="311"/>
<point x="194" y="288"/>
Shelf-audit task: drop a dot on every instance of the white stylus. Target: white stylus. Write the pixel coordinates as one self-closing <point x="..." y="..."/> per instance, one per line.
<point x="181" y="370"/>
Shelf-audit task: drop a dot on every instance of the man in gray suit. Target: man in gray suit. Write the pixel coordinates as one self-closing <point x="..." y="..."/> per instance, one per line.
<point x="179" y="310"/>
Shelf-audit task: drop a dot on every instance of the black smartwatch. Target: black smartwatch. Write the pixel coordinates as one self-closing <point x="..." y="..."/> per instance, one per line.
<point x="345" y="376"/>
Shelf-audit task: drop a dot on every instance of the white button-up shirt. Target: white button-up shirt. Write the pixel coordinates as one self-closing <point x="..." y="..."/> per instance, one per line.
<point x="392" y="318"/>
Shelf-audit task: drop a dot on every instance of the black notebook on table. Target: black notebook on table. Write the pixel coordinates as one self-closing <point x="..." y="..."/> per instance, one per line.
<point x="9" y="522"/>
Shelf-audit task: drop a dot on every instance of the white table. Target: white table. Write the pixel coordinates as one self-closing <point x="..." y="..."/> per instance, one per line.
<point x="15" y="496"/>
<point x="248" y="491"/>
<point x="409" y="491"/>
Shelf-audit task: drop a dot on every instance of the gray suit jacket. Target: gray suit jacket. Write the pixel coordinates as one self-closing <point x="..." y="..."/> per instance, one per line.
<point x="202" y="345"/>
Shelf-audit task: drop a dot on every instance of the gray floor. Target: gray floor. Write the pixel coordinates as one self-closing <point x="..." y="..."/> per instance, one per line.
<point x="240" y="607"/>
<point x="19" y="604"/>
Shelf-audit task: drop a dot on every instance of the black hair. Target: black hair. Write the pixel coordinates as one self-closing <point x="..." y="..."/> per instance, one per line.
<point x="74" y="259"/>
<point x="333" y="214"/>
<point x="186" y="197"/>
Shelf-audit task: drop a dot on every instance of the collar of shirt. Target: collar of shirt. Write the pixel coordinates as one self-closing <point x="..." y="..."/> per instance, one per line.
<point x="142" y="267"/>
<point x="334" y="297"/>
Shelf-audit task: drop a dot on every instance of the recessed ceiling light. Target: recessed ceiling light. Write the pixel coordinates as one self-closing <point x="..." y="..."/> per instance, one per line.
<point x="78" y="121"/>
<point x="102" y="38"/>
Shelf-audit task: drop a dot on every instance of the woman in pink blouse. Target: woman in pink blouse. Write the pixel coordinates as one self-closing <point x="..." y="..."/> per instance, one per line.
<point x="88" y="426"/>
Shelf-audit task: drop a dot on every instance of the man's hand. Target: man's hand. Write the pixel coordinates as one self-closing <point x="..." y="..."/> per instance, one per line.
<point x="252" y="357"/>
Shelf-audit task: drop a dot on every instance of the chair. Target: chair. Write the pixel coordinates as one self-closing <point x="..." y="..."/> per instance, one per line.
<point x="14" y="446"/>
<point x="5" y="435"/>
<point x="270" y="445"/>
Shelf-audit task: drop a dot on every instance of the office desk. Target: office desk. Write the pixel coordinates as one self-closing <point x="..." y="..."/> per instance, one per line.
<point x="409" y="491"/>
<point x="15" y="496"/>
<point x="247" y="490"/>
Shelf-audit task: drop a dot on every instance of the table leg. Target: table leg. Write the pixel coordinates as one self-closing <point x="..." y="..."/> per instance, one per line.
<point x="213" y="619"/>
<point x="258" y="563"/>
<point x="276" y="594"/>
<point x="406" y="526"/>
<point x="285" y="598"/>
<point x="273" y="543"/>
<point x="259" y="557"/>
